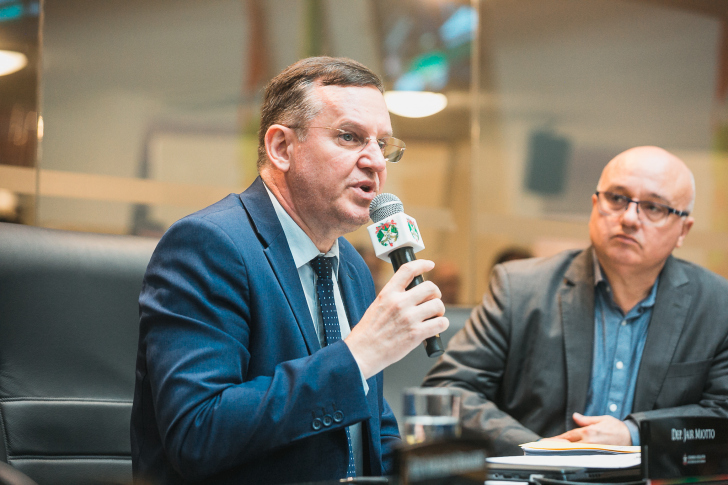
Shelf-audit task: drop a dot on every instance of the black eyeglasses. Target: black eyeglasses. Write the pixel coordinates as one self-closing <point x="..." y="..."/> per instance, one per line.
<point x="392" y="148"/>
<point x="610" y="203"/>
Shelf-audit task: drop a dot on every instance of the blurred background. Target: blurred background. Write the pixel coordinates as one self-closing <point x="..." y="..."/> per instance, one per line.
<point x="123" y="116"/>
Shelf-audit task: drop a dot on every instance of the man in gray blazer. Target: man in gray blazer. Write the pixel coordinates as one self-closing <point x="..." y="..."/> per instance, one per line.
<point x="586" y="344"/>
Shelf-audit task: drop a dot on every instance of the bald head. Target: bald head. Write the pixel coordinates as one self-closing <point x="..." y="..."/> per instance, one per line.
<point x="659" y="166"/>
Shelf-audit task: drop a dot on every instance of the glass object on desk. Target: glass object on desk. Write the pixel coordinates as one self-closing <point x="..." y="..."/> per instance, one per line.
<point x="431" y="414"/>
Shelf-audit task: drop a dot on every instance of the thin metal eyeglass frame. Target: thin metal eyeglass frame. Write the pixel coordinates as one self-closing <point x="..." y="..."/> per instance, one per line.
<point x="398" y="154"/>
<point x="669" y="209"/>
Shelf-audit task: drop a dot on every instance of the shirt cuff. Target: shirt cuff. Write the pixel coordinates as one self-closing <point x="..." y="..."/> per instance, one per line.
<point x="634" y="431"/>
<point x="364" y="383"/>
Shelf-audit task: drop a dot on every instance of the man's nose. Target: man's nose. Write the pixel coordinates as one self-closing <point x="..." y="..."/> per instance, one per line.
<point x="631" y="214"/>
<point x="371" y="156"/>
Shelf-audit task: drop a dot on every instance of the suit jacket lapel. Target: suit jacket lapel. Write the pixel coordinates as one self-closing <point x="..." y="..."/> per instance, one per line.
<point x="275" y="247"/>
<point x="348" y="276"/>
<point x="577" y="316"/>
<point x="668" y="318"/>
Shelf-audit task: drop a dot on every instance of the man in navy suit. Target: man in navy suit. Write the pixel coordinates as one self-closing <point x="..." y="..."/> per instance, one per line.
<point x="236" y="380"/>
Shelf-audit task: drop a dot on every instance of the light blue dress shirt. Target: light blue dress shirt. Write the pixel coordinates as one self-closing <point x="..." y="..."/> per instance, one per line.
<point x="619" y="340"/>
<point x="303" y="251"/>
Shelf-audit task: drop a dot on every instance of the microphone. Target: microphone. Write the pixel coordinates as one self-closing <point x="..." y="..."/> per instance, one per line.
<point x="396" y="238"/>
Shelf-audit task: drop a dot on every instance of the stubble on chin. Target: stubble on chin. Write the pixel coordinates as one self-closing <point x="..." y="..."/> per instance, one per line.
<point x="351" y="222"/>
<point x="360" y="221"/>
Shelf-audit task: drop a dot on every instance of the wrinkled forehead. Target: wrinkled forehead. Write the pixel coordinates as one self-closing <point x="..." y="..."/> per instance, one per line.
<point x="358" y="104"/>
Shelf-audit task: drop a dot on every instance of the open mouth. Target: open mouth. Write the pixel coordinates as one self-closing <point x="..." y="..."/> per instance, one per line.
<point x="367" y="189"/>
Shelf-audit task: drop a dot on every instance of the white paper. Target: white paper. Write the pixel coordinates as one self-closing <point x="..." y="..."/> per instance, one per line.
<point x="627" y="460"/>
<point x="559" y="447"/>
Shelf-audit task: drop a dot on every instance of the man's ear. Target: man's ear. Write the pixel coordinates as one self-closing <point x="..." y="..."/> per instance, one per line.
<point x="687" y="224"/>
<point x="279" y="146"/>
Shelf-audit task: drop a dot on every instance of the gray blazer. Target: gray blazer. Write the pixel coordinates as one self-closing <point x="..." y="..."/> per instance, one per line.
<point x="524" y="357"/>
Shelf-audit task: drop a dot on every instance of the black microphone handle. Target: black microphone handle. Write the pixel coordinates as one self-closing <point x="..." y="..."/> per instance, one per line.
<point x="400" y="256"/>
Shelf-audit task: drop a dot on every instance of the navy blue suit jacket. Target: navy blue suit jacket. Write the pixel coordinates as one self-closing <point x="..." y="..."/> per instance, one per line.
<point x="230" y="377"/>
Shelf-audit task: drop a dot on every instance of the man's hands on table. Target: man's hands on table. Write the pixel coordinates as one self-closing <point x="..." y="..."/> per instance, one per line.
<point x="606" y="430"/>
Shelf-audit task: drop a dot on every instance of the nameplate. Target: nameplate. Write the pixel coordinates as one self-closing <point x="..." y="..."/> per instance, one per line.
<point x="684" y="447"/>
<point x="451" y="462"/>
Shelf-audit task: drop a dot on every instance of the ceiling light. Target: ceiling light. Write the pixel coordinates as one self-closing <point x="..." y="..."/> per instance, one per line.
<point x="414" y="104"/>
<point x="11" y="61"/>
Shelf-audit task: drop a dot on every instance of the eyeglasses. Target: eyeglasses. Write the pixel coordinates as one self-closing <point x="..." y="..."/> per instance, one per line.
<point x="392" y="148"/>
<point x="610" y="203"/>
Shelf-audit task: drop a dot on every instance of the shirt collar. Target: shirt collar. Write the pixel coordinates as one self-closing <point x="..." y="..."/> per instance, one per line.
<point x="598" y="275"/>
<point x="302" y="247"/>
<point x="650" y="300"/>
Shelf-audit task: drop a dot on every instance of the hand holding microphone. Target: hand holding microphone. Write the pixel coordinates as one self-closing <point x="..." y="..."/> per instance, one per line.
<point x="396" y="237"/>
<point x="408" y="310"/>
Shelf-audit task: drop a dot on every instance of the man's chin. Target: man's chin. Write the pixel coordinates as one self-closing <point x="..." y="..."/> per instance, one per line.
<point x="358" y="214"/>
<point x="357" y="221"/>
<point x="625" y="256"/>
<point x="350" y="220"/>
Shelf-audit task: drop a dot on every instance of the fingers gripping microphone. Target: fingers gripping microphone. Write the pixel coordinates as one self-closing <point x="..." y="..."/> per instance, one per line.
<point x="396" y="238"/>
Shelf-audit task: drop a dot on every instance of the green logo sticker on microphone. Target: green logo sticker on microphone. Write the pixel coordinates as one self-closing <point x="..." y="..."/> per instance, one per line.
<point x="413" y="229"/>
<point x="387" y="233"/>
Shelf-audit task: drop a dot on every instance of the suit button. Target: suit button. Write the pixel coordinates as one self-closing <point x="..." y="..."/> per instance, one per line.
<point x="316" y="425"/>
<point x="338" y="417"/>
<point x="328" y="420"/>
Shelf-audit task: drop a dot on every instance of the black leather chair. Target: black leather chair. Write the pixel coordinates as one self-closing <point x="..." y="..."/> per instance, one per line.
<point x="68" y="340"/>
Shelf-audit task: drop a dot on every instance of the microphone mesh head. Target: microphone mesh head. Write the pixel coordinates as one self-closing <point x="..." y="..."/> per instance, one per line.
<point x="383" y="206"/>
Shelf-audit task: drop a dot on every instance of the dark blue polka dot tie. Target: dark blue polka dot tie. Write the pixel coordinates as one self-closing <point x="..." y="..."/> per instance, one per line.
<point x="325" y="290"/>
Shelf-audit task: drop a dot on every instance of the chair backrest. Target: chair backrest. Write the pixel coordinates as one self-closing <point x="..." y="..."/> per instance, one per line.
<point x="68" y="342"/>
